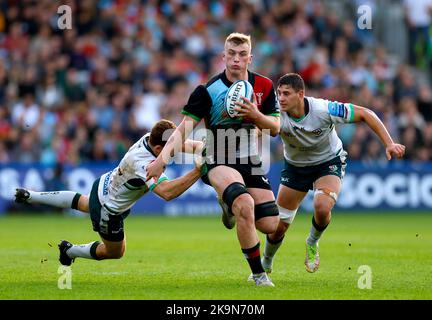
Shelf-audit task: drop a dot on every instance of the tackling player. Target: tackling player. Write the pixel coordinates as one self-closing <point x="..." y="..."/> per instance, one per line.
<point x="114" y="193"/>
<point x="314" y="160"/>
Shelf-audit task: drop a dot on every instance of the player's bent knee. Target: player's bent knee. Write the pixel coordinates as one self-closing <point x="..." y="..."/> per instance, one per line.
<point x="232" y="192"/>
<point x="267" y="225"/>
<point x="286" y="215"/>
<point x="322" y="209"/>
<point x="243" y="207"/>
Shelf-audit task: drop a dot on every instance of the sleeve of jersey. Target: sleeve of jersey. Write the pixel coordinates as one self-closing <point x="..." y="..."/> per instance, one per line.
<point x="152" y="183"/>
<point x="340" y="112"/>
<point x="199" y="104"/>
<point x="270" y="106"/>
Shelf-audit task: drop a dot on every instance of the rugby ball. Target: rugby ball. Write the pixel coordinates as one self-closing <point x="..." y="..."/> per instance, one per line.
<point x="238" y="89"/>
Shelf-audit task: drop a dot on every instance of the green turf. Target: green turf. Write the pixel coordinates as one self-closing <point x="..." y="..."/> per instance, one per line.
<point x="196" y="258"/>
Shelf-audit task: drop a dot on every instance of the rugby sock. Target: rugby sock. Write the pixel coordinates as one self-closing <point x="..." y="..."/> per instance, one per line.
<point x="252" y="256"/>
<point x="271" y="247"/>
<point x="315" y="233"/>
<point x="87" y="251"/>
<point x="60" y="199"/>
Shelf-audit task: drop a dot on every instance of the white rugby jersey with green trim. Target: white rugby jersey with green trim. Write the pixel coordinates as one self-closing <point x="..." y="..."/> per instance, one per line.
<point x="312" y="139"/>
<point x="119" y="189"/>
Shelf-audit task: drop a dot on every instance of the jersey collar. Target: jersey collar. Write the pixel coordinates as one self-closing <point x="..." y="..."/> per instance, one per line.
<point x="146" y="144"/>
<point x="307" y="108"/>
<point x="251" y="79"/>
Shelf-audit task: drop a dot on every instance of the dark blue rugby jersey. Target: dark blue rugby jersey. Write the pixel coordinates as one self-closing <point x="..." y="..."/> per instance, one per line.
<point x="207" y="101"/>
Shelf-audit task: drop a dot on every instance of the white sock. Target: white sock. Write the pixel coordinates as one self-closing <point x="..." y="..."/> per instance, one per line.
<point x="271" y="248"/>
<point x="87" y="251"/>
<point x="269" y="252"/>
<point x="60" y="199"/>
<point x="315" y="234"/>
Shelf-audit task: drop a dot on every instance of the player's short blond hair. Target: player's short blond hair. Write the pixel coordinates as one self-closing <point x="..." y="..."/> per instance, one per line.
<point x="239" y="38"/>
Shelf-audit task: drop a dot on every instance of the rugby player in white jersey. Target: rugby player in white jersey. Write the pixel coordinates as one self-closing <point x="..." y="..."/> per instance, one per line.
<point x="314" y="160"/>
<point x="115" y="192"/>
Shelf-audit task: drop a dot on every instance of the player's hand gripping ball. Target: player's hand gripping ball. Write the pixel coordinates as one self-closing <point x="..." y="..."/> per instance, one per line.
<point x="238" y="89"/>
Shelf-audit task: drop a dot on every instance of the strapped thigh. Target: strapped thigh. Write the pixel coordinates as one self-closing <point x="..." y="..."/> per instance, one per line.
<point x="266" y="209"/>
<point x="231" y="192"/>
<point x="287" y="215"/>
<point x="327" y="192"/>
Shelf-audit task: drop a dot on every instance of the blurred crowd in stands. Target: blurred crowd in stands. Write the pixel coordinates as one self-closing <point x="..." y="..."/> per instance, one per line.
<point x="85" y="94"/>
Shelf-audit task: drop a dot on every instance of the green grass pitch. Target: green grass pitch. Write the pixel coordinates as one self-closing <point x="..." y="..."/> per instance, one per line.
<point x="196" y="258"/>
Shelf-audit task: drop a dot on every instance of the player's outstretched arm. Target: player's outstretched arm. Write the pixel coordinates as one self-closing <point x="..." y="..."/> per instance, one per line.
<point x="193" y="146"/>
<point x="366" y="115"/>
<point x="172" y="147"/>
<point x="169" y="190"/>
